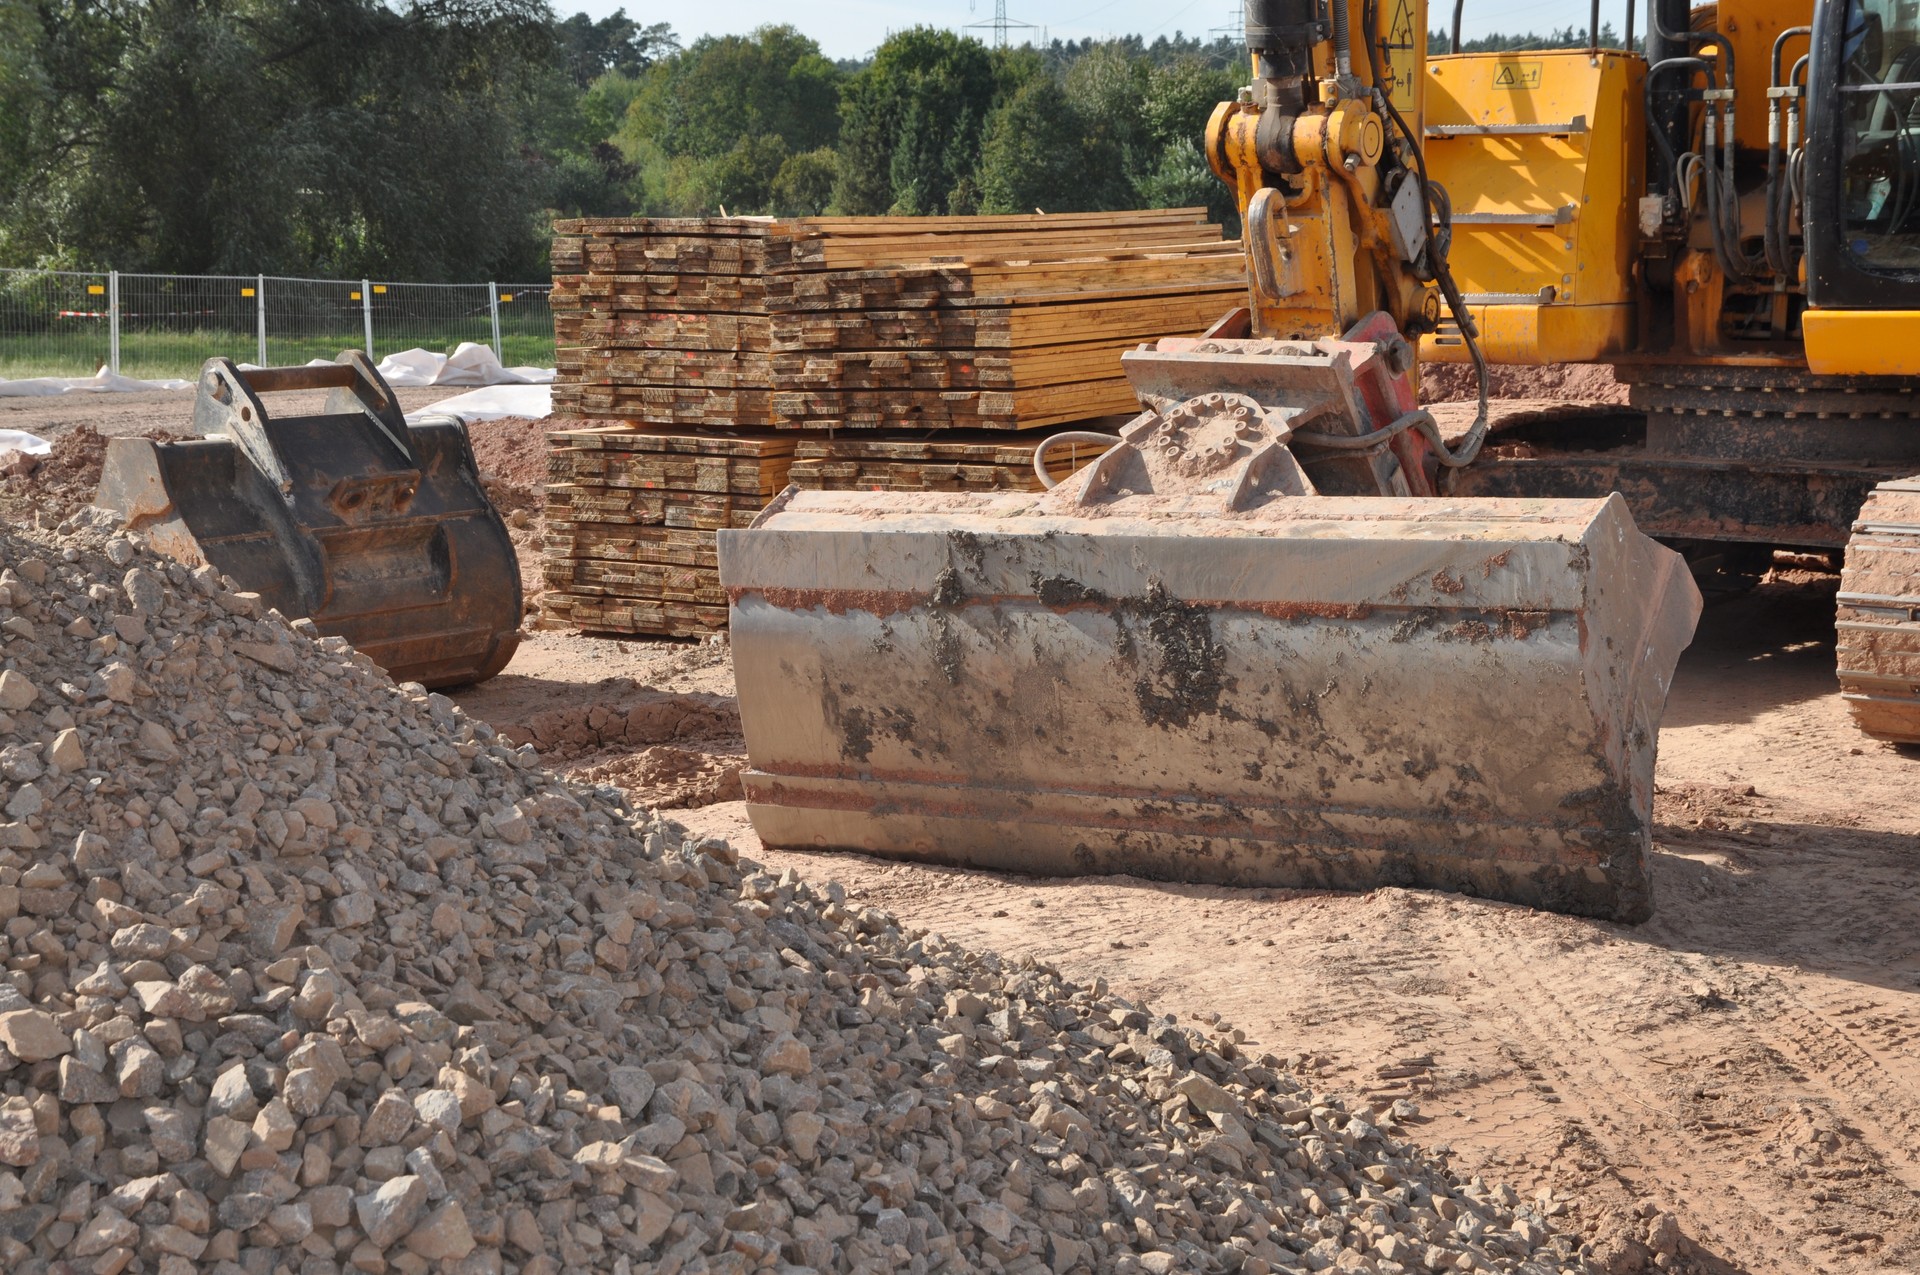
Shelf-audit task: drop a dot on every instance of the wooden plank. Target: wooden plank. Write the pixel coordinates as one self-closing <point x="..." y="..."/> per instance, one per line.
<point x="582" y="364"/>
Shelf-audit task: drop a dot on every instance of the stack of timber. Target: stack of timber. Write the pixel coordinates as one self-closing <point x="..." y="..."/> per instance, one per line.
<point x="936" y="461"/>
<point x="876" y="323"/>
<point x="630" y="523"/>
<point x="705" y="361"/>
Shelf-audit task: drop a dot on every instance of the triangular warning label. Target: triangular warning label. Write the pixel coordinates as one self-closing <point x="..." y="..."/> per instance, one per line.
<point x="1400" y="34"/>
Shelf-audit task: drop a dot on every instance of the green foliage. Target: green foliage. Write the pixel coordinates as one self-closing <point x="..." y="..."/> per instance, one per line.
<point x="613" y="45"/>
<point x="713" y="126"/>
<point x="1564" y="38"/>
<point x="804" y="185"/>
<point x="247" y="135"/>
<point x="911" y="125"/>
<point x="436" y="139"/>
<point x="1034" y="156"/>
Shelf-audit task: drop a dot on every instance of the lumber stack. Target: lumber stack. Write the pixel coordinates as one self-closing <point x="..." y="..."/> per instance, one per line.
<point x="875" y="323"/>
<point x="705" y="362"/>
<point x="937" y="461"/>
<point x="630" y="519"/>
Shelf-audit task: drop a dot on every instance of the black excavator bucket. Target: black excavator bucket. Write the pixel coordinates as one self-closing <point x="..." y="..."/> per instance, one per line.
<point x="377" y="530"/>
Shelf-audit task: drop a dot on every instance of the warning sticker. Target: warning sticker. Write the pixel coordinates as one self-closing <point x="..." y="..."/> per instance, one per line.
<point x="1517" y="75"/>
<point x="1399" y="39"/>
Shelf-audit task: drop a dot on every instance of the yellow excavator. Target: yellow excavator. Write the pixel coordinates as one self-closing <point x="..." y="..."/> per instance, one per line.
<point x="1291" y="631"/>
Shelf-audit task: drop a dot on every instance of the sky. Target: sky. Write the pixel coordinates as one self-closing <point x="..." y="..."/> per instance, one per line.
<point x="852" y="28"/>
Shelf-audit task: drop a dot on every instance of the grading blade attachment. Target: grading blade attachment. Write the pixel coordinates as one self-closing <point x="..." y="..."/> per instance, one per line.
<point x="378" y="530"/>
<point x="1183" y="665"/>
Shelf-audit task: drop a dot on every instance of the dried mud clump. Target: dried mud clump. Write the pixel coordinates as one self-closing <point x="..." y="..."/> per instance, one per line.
<point x="308" y="972"/>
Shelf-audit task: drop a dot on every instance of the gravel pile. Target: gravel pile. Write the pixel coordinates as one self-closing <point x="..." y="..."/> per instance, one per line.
<point x="307" y="972"/>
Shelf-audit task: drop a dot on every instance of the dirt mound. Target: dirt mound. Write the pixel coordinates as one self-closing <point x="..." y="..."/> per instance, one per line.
<point x="66" y="479"/>
<point x="512" y="457"/>
<point x="628" y="717"/>
<point x="669" y="778"/>
<point x="512" y="449"/>
<point x="1559" y="382"/>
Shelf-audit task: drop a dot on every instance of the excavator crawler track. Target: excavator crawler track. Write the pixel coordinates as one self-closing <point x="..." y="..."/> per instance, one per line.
<point x="1878" y="625"/>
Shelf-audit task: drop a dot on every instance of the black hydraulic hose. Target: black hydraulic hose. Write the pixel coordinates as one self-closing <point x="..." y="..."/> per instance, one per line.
<point x="1779" y="43"/>
<point x="1713" y="38"/>
<point x="1659" y="134"/>
<point x="1458" y="7"/>
<point x="1436" y="257"/>
<point x="1777" y="230"/>
<point x="1343" y="38"/>
<point x="1593" y="28"/>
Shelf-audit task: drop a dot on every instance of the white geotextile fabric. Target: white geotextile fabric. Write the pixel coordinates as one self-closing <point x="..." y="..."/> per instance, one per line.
<point x="18" y="440"/>
<point x="490" y="404"/>
<point x="469" y="364"/>
<point x="101" y="382"/>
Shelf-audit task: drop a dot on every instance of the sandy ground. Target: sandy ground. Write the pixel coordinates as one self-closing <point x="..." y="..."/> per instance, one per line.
<point x="1736" y="1082"/>
<point x="1747" y="1062"/>
<point x="143" y="412"/>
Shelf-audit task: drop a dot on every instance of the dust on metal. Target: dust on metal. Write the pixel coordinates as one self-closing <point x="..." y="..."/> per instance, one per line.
<point x="377" y="530"/>
<point x="1183" y="664"/>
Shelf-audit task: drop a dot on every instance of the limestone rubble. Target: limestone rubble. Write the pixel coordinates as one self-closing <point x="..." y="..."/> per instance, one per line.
<point x="308" y="972"/>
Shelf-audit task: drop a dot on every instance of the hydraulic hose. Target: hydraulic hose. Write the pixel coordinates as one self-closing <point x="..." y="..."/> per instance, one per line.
<point x="1343" y="41"/>
<point x="1105" y="442"/>
<point x="1419" y="420"/>
<point x="1659" y="135"/>
<point x="1713" y="38"/>
<point x="1779" y="203"/>
<point x="1440" y="238"/>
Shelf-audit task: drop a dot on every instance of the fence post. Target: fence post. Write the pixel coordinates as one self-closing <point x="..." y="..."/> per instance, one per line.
<point x="493" y="308"/>
<point x="113" y="322"/>
<point x="260" y="314"/>
<point x="366" y="312"/>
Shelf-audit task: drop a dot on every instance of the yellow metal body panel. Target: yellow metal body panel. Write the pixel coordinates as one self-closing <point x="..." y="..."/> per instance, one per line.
<point x="1751" y="26"/>
<point x="1863" y="342"/>
<point x="1542" y="153"/>
<point x="1531" y="335"/>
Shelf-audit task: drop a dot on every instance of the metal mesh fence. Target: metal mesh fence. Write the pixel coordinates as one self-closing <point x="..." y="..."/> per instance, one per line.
<point x="171" y="324"/>
<point x="63" y="323"/>
<point x="526" y="324"/>
<point x="313" y="319"/>
<point x="54" y="323"/>
<point x="430" y="316"/>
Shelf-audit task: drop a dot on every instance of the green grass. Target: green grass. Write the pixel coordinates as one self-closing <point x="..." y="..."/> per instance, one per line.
<point x="161" y="355"/>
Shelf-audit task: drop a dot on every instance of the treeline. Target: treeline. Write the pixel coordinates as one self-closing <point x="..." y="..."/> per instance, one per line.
<point x="437" y="139"/>
<point x="1563" y="38"/>
<point x="935" y="123"/>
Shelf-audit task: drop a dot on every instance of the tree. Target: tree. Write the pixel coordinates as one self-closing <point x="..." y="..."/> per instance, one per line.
<point x="615" y="44"/>
<point x="714" y="124"/>
<point x="1034" y="157"/>
<point x="1180" y="99"/>
<point x="245" y="135"/>
<point x="804" y="185"/>
<point x="1106" y="88"/>
<point x="911" y="124"/>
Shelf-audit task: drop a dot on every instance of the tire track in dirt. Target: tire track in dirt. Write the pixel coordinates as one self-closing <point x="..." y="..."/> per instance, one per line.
<point x="1553" y="1033"/>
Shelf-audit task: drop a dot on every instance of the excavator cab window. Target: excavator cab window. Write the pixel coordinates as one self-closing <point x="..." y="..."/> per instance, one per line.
<point x="1880" y="134"/>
